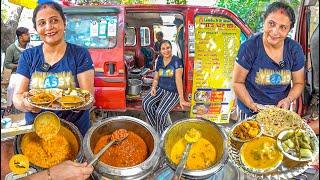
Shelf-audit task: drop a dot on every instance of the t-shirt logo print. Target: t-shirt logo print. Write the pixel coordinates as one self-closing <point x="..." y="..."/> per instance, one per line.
<point x="40" y="80"/>
<point x="166" y="72"/>
<point x="273" y="77"/>
<point x="51" y="81"/>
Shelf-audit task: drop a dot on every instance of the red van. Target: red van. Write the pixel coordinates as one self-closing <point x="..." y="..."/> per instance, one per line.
<point x="121" y="41"/>
<point x="307" y="23"/>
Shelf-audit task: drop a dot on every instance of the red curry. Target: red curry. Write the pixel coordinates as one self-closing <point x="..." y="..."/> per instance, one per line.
<point x="130" y="152"/>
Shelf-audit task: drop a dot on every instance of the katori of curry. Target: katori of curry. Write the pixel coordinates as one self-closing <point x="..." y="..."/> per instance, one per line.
<point x="129" y="152"/>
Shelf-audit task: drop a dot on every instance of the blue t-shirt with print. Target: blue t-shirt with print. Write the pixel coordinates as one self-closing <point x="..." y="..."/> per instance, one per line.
<point x="268" y="82"/>
<point x="63" y="74"/>
<point x="167" y="80"/>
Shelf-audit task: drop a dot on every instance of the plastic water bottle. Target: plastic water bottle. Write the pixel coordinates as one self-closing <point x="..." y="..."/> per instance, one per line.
<point x="10" y="90"/>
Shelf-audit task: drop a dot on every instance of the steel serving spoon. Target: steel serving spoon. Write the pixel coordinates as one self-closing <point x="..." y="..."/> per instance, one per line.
<point x="116" y="137"/>
<point x="191" y="136"/>
<point x="44" y="127"/>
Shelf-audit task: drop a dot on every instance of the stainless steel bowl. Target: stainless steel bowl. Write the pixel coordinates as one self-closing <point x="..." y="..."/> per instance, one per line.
<point x="141" y="128"/>
<point x="134" y="86"/>
<point x="210" y="131"/>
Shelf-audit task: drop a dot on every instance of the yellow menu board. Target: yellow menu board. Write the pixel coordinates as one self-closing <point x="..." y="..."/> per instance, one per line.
<point x="217" y="40"/>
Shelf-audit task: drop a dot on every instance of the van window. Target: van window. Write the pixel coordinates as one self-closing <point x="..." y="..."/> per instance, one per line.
<point x="130" y="37"/>
<point x="169" y="33"/>
<point x="92" y="31"/>
<point x="145" y="36"/>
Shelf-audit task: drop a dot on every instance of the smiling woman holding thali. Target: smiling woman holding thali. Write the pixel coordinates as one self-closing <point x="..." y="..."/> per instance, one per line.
<point x="53" y="64"/>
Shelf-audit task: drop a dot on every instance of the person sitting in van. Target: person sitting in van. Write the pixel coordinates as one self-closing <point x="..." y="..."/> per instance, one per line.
<point x="148" y="53"/>
<point x="167" y="89"/>
<point x="159" y="37"/>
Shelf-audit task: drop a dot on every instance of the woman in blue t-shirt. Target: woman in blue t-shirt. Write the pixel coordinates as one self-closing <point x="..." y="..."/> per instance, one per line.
<point x="167" y="89"/>
<point x="268" y="63"/>
<point x="53" y="64"/>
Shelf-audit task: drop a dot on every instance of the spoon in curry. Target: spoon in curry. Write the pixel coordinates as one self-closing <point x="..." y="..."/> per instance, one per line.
<point x="191" y="136"/>
<point x="46" y="125"/>
<point x="116" y="137"/>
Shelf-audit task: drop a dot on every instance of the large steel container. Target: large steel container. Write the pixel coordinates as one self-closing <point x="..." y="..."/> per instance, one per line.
<point x="141" y="128"/>
<point x="210" y="131"/>
<point x="134" y="86"/>
<point x="77" y="145"/>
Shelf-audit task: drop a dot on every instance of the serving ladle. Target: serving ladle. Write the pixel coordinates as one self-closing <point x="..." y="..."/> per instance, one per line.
<point x="45" y="127"/>
<point x="116" y="137"/>
<point x="191" y="136"/>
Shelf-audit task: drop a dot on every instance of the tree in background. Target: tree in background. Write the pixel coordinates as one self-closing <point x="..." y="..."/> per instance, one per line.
<point x="134" y="1"/>
<point x="112" y="1"/>
<point x="9" y="24"/>
<point x="176" y="1"/>
<point x="251" y="11"/>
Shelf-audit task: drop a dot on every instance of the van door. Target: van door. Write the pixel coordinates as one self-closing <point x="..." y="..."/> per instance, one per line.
<point x="214" y="37"/>
<point x="101" y="30"/>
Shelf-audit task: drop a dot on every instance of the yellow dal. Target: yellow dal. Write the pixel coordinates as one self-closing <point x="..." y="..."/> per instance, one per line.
<point x="202" y="154"/>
